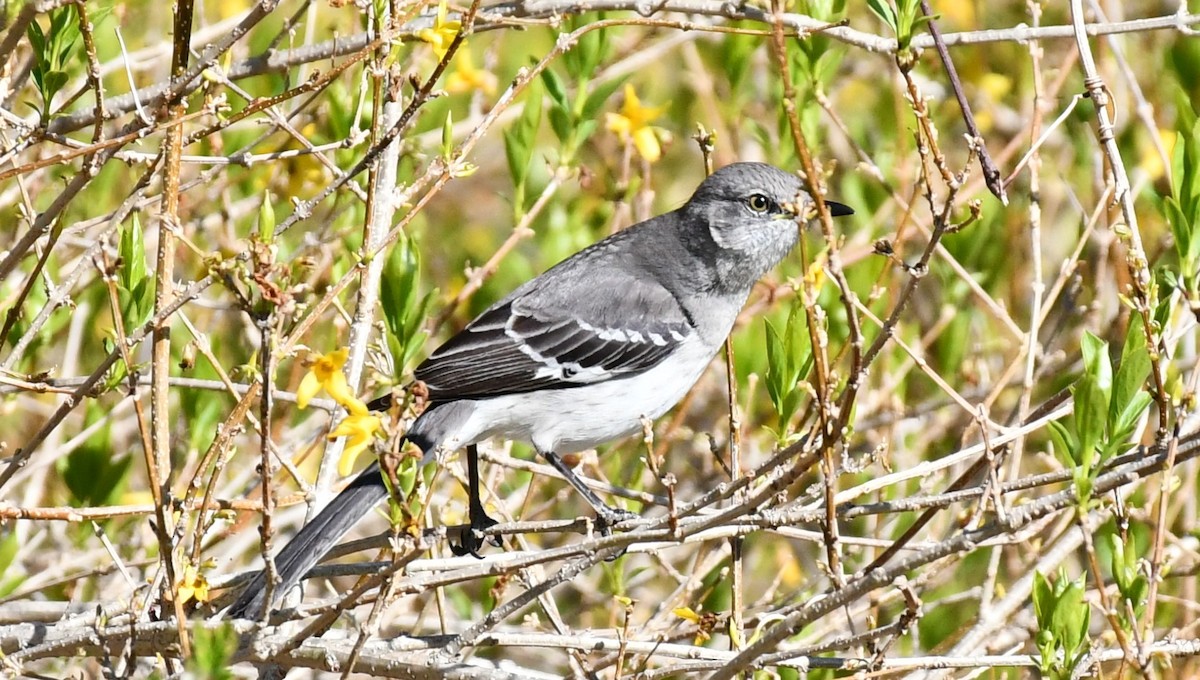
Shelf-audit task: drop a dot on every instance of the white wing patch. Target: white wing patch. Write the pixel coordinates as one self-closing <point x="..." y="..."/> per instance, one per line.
<point x="573" y="371"/>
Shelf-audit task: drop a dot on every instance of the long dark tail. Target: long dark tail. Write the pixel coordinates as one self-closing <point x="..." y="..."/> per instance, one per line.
<point x="314" y="540"/>
<point x="327" y="528"/>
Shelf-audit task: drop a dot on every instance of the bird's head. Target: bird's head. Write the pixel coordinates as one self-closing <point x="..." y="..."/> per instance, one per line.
<point x="752" y="213"/>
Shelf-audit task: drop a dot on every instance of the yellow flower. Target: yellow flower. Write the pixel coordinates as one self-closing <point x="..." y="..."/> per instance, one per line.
<point x="687" y="614"/>
<point x="467" y="78"/>
<point x="326" y="372"/>
<point x="303" y="174"/>
<point x="229" y="8"/>
<point x="1150" y="162"/>
<point x="959" y="14"/>
<point x="789" y="569"/>
<point x="815" y="274"/>
<point x="360" y="426"/>
<point x="442" y="33"/>
<point x="192" y="586"/>
<point x="705" y="624"/>
<point x="632" y="124"/>
<point x="996" y="87"/>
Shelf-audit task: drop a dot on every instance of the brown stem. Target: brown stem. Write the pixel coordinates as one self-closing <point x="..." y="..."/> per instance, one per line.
<point x="991" y="174"/>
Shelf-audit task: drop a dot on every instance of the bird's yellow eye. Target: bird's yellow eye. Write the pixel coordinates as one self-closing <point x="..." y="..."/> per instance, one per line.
<point x="758" y="203"/>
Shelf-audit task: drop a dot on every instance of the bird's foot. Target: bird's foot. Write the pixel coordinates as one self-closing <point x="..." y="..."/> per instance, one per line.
<point x="607" y="518"/>
<point x="473" y="538"/>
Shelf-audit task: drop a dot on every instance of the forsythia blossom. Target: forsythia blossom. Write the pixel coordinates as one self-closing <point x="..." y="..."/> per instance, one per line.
<point x="360" y="426"/>
<point x="326" y="372"/>
<point x="466" y="77"/>
<point x="192" y="586"/>
<point x="442" y="33"/>
<point x="632" y="124"/>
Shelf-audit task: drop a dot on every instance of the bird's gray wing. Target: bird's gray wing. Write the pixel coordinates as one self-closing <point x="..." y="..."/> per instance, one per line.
<point x="567" y="328"/>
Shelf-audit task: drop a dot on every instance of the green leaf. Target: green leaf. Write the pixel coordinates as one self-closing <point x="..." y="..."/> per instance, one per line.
<point x="1162" y="313"/>
<point x="132" y="250"/>
<point x="404" y="309"/>
<point x="266" y="219"/>
<point x="560" y="122"/>
<point x="1133" y="586"/>
<point x="1127" y="419"/>
<point x="921" y="21"/>
<point x="143" y="298"/>
<point x="212" y="652"/>
<point x="1075" y="615"/>
<point x="1096" y="363"/>
<point x="519" y="142"/>
<point x="1187" y="190"/>
<point x="135" y="288"/>
<point x="1091" y="416"/>
<point x="516" y="152"/>
<point x="9" y="547"/>
<point x="1044" y="602"/>
<point x="1185" y="114"/>
<point x="591" y="50"/>
<point x="93" y="474"/>
<point x="789" y="359"/>
<point x="40" y="58"/>
<point x="775" y="366"/>
<point x="407" y="475"/>
<point x="1063" y="617"/>
<point x="556" y="89"/>
<point x="736" y="54"/>
<point x="884" y="11"/>
<point x="531" y="115"/>
<point x="37" y="40"/>
<point x="1181" y="230"/>
<point x="584" y="130"/>
<point x="1130" y="378"/>
<point x="1064" y="444"/>
<point x="52" y="50"/>
<point x="448" y="136"/>
<point x="601" y="94"/>
<point x="64" y="31"/>
<point x="204" y="408"/>
<point x="1177" y="157"/>
<point x="53" y="82"/>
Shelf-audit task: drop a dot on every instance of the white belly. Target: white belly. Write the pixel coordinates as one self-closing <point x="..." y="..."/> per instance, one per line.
<point x="578" y="418"/>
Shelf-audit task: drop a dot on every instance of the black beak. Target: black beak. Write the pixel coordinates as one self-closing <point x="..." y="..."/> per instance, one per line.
<point x="838" y="209"/>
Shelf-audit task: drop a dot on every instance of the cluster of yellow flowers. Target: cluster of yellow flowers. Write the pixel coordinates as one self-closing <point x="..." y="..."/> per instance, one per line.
<point x="360" y="425"/>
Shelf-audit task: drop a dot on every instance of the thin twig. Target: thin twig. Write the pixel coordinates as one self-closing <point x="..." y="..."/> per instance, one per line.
<point x="991" y="174"/>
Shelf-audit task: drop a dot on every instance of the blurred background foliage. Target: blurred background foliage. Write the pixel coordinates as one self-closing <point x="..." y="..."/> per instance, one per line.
<point x="599" y="140"/>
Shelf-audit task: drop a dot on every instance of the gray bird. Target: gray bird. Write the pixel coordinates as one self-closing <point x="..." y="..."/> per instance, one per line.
<point x="579" y="355"/>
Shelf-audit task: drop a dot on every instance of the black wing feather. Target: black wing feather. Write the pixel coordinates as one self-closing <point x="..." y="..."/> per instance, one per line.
<point x="559" y="331"/>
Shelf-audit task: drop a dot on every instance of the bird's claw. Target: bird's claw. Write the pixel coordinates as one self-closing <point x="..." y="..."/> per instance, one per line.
<point x="609" y="518"/>
<point x="473" y="538"/>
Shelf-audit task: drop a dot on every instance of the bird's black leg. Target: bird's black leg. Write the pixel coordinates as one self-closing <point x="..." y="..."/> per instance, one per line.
<point x="477" y="518"/>
<point x="606" y="515"/>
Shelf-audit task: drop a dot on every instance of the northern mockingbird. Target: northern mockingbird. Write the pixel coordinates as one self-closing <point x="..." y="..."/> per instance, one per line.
<point x="579" y="355"/>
